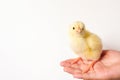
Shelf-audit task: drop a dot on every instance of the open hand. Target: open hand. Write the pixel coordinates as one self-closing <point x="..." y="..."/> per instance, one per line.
<point x="107" y="68"/>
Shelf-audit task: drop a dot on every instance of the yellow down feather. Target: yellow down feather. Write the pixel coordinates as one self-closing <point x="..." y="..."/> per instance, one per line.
<point x="85" y="44"/>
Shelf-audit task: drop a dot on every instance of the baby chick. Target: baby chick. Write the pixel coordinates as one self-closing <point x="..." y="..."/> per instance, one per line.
<point x="85" y="44"/>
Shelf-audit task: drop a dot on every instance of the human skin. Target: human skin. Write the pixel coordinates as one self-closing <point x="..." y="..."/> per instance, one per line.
<point x="106" y="68"/>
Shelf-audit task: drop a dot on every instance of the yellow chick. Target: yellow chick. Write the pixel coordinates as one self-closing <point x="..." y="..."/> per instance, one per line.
<point x="85" y="44"/>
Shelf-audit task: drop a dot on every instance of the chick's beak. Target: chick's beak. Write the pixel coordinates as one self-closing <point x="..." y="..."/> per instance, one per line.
<point x="78" y="30"/>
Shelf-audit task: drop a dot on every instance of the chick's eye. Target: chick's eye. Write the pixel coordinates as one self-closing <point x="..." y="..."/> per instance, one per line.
<point x="73" y="28"/>
<point x="82" y="28"/>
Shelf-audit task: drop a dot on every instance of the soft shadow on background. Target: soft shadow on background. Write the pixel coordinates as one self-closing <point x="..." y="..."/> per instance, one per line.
<point x="34" y="38"/>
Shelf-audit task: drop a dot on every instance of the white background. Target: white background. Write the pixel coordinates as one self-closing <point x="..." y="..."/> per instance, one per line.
<point x="34" y="38"/>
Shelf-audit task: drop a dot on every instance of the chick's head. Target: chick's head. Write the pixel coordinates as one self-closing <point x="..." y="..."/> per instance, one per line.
<point x="77" y="29"/>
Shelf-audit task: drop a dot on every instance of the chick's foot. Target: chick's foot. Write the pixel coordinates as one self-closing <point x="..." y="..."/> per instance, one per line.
<point x="76" y="60"/>
<point x="89" y="67"/>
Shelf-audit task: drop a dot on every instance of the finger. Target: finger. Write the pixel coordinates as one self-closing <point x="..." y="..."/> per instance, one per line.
<point x="85" y="76"/>
<point x="68" y="70"/>
<point x="72" y="70"/>
<point x="66" y="62"/>
<point x="76" y="66"/>
<point x="79" y="76"/>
